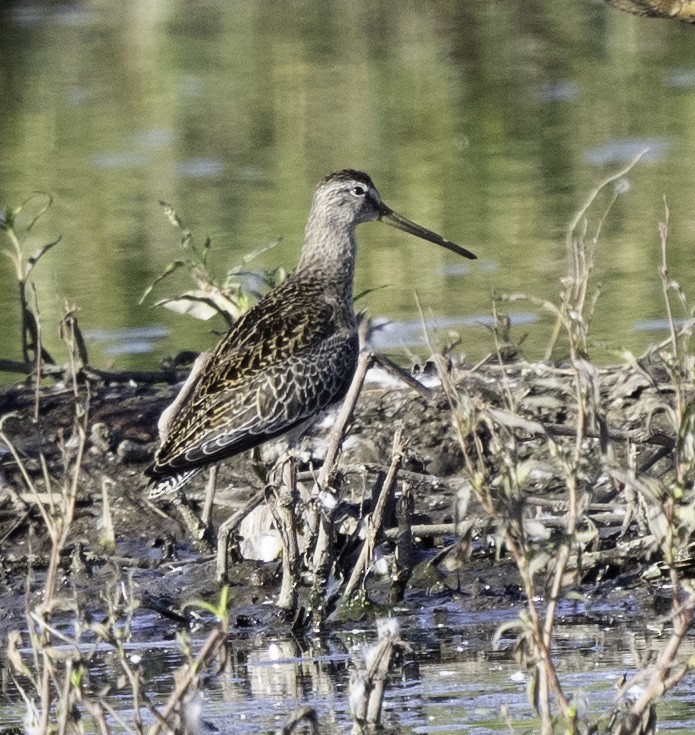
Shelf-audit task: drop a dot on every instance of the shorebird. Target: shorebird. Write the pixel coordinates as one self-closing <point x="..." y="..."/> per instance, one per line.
<point x="290" y="356"/>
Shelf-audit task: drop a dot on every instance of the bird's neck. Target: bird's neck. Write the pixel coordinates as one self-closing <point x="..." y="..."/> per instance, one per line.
<point x="328" y="255"/>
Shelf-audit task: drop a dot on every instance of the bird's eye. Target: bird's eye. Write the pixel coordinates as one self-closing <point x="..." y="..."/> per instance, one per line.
<point x="359" y="191"/>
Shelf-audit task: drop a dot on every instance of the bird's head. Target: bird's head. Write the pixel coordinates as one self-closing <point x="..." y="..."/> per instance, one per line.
<point x="349" y="197"/>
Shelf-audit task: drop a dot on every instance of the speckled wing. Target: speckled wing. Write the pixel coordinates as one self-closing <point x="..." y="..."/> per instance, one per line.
<point x="280" y="364"/>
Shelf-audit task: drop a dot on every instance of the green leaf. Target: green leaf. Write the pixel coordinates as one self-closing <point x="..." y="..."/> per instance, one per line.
<point x="76" y="675"/>
<point x="219" y="610"/>
<point x="168" y="270"/>
<point x="207" y="245"/>
<point x="42" y="209"/>
<point x="260" y="250"/>
<point x="170" y="214"/>
<point x="367" y="291"/>
<point x="33" y="259"/>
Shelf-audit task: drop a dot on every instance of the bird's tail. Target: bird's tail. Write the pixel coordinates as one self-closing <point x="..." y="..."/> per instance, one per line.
<point x="159" y="485"/>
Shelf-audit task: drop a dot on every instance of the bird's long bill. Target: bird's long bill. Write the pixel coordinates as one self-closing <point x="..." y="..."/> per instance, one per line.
<point x="401" y="223"/>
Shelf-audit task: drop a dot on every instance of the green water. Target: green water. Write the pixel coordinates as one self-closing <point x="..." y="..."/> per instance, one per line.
<point x="489" y="121"/>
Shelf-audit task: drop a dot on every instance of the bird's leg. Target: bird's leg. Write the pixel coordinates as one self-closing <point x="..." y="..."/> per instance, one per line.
<point x="271" y="476"/>
<point x="206" y="515"/>
<point x="282" y="500"/>
<point x="198" y="530"/>
<point x="226" y="530"/>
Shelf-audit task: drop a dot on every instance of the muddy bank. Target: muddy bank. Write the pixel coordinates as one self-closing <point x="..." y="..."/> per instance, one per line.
<point x="525" y="413"/>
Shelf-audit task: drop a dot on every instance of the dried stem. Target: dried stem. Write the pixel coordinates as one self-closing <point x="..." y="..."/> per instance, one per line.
<point x="322" y="557"/>
<point x="374" y="521"/>
<point x="282" y="504"/>
<point x="207" y="653"/>
<point x="580" y="260"/>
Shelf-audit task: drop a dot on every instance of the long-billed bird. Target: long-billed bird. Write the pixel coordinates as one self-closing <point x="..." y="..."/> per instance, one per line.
<point x="291" y="355"/>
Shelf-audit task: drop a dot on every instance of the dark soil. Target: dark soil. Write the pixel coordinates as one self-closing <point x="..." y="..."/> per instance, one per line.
<point x="153" y="546"/>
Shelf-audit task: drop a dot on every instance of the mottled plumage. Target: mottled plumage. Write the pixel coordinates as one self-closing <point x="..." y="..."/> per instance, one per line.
<point x="289" y="357"/>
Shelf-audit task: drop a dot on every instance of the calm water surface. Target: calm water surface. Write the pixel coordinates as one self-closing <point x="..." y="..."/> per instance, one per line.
<point x="488" y="121"/>
<point x="452" y="681"/>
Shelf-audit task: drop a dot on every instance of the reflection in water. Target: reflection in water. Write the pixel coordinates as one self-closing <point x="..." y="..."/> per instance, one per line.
<point x="126" y="341"/>
<point x="486" y="121"/>
<point x="624" y="151"/>
<point x="199" y="168"/>
<point x="391" y="336"/>
<point x="282" y="670"/>
<point x="452" y="680"/>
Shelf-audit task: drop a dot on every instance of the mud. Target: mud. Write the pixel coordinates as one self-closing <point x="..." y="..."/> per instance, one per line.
<point x="154" y="551"/>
